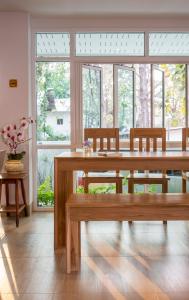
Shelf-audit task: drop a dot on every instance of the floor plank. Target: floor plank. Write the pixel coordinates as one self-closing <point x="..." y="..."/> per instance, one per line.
<point x="146" y="260"/>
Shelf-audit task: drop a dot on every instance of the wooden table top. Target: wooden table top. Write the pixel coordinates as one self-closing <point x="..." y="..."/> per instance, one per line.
<point x="81" y="155"/>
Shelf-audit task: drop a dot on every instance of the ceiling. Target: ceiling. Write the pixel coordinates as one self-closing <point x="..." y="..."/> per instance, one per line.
<point x="97" y="7"/>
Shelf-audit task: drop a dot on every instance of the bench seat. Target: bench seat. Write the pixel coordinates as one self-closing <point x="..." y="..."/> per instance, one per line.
<point x="118" y="207"/>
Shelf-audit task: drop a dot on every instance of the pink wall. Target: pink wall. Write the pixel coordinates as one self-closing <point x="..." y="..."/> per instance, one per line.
<point x="14" y="64"/>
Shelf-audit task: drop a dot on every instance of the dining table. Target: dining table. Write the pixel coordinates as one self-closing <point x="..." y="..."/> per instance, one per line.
<point x="68" y="163"/>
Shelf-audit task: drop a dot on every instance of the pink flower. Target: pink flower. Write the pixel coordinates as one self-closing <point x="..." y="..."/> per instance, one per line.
<point x="24" y="124"/>
<point x="87" y="143"/>
<point x="5" y="134"/>
<point x="8" y="127"/>
<point x="13" y="134"/>
<point x="20" y="136"/>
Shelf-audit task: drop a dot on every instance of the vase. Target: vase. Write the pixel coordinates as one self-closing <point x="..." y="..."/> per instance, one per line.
<point x="14" y="166"/>
<point x="87" y="149"/>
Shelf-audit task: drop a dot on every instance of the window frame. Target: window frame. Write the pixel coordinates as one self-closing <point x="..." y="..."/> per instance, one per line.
<point x="76" y="81"/>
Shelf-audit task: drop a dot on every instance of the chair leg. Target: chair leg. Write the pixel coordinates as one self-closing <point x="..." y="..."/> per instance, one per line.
<point x="119" y="187"/>
<point x="130" y="191"/>
<point x="165" y="190"/>
<point x="130" y="187"/>
<point x="165" y="187"/>
<point x="183" y="185"/>
<point x="86" y="186"/>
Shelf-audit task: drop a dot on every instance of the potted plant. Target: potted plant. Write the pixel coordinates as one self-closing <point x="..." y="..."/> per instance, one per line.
<point x="13" y="135"/>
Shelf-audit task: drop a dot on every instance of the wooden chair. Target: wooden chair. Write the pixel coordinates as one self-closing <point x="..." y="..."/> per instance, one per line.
<point x="185" y="174"/>
<point x="102" y="141"/>
<point x="148" y="141"/>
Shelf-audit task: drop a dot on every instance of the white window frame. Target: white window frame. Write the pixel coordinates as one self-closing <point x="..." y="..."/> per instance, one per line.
<point x="76" y="87"/>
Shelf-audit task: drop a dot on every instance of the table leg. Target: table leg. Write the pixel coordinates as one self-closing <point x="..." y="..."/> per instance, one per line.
<point x="17" y="203"/>
<point x="7" y="196"/>
<point x="23" y="196"/>
<point x="63" y="188"/>
<point x="1" y="185"/>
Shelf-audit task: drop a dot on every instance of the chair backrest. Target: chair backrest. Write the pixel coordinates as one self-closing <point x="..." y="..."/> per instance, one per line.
<point x="185" y="136"/>
<point x="148" y="139"/>
<point x="106" y="138"/>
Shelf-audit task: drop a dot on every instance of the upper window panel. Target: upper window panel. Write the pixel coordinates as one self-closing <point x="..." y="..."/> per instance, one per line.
<point x="110" y="44"/>
<point x="53" y="44"/>
<point x="169" y="44"/>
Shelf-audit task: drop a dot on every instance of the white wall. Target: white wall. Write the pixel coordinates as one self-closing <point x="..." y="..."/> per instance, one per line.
<point x="14" y="64"/>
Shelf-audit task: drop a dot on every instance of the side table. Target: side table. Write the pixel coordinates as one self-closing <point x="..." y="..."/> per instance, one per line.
<point x="17" y="208"/>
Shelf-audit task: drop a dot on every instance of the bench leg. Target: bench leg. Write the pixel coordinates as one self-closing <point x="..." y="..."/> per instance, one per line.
<point x="73" y="246"/>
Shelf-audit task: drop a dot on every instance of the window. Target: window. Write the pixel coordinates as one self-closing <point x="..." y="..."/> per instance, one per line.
<point x="124" y="82"/>
<point x="53" y="44"/>
<point x="53" y="101"/>
<point x="91" y="91"/>
<point x="110" y="44"/>
<point x="59" y="121"/>
<point x="169" y="44"/>
<point x="142" y="111"/>
<point x="141" y="95"/>
<point x="158" y="96"/>
<point x="45" y="176"/>
<point x="98" y="82"/>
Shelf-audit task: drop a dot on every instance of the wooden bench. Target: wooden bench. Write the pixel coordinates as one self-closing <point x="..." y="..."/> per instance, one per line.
<point x="117" y="207"/>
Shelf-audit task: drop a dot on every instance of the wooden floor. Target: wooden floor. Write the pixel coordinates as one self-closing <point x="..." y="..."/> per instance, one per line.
<point x="144" y="261"/>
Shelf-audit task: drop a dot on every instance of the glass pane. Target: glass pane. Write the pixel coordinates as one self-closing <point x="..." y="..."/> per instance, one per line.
<point x="45" y="176"/>
<point x="53" y="102"/>
<point x="110" y="44"/>
<point x="53" y="44"/>
<point x="169" y="44"/>
<point x="143" y="96"/>
<point x="175" y="100"/>
<point x="107" y="96"/>
<point x="91" y="91"/>
<point x="125" y="101"/>
<point x="158" y="93"/>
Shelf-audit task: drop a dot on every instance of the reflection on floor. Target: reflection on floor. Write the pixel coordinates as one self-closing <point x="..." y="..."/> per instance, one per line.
<point x="144" y="261"/>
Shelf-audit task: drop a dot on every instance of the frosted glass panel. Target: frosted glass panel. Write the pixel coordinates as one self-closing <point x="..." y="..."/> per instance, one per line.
<point x="53" y="44"/>
<point x="110" y="44"/>
<point x="169" y="44"/>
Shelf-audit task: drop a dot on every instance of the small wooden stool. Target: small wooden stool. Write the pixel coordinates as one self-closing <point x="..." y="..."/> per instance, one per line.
<point x="8" y="178"/>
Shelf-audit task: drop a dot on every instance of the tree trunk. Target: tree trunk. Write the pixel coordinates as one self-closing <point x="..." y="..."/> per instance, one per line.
<point x="144" y="99"/>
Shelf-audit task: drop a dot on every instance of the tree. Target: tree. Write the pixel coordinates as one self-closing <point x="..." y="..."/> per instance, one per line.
<point x="143" y="119"/>
<point x="175" y="99"/>
<point x="50" y="76"/>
